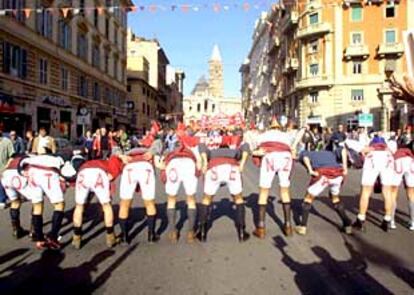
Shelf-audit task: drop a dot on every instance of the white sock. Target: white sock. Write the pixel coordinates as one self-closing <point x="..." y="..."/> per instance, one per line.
<point x="387" y="218"/>
<point x="361" y="217"/>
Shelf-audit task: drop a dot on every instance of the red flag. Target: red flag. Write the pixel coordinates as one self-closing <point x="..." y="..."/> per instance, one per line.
<point x="155" y="128"/>
<point x="65" y="11"/>
<point x="27" y="12"/>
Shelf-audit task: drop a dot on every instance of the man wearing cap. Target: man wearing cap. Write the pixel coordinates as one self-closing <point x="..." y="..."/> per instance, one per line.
<point x="274" y="155"/>
<point x="223" y="163"/>
<point x="96" y="176"/>
<point x="181" y="166"/>
<point x="378" y="163"/>
<point x="328" y="170"/>
<point x="140" y="173"/>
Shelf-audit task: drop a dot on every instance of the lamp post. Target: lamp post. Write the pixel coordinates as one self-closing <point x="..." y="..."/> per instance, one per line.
<point x="385" y="95"/>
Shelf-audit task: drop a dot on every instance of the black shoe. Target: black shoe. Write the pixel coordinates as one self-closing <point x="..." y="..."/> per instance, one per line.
<point x="359" y="225"/>
<point x="242" y="234"/>
<point x="19" y="233"/>
<point x="153" y="237"/>
<point x="385" y="225"/>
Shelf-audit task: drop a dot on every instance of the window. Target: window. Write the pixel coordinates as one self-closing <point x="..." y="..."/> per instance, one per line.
<point x="95" y="18"/>
<point x="313" y="97"/>
<point x="313" y="18"/>
<point x="96" y="56"/>
<point x="106" y="57"/>
<point x="129" y="89"/>
<point x="42" y="71"/>
<point x="205" y="105"/>
<point x="96" y="91"/>
<point x="390" y="11"/>
<point x="213" y="108"/>
<point x="65" y="34"/>
<point x="357" y="67"/>
<point x="115" y="70"/>
<point x="148" y="109"/>
<point x="357" y="94"/>
<point x="83" y="86"/>
<point x="313" y="46"/>
<point x="115" y="35"/>
<point x="356" y="38"/>
<point x="107" y="28"/>
<point x="356" y="13"/>
<point x="82" y="7"/>
<point x="16" y="9"/>
<point x="390" y="37"/>
<point x="64" y="79"/>
<point x="14" y="60"/>
<point x="143" y="107"/>
<point x="314" y="69"/>
<point x="82" y="46"/>
<point x="44" y="22"/>
<point x="198" y="107"/>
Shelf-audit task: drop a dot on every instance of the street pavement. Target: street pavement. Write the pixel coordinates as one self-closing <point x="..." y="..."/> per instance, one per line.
<point x="325" y="261"/>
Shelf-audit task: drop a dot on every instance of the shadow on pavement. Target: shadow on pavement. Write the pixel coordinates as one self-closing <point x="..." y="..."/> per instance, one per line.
<point x="330" y="276"/>
<point x="251" y="202"/>
<point x="47" y="276"/>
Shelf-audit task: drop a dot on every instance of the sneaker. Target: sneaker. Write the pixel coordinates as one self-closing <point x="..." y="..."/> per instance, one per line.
<point x="3" y="206"/>
<point x="411" y="226"/>
<point x="347" y="229"/>
<point x="260" y="232"/>
<point x="173" y="236"/>
<point x="191" y="236"/>
<point x="301" y="230"/>
<point x="19" y="233"/>
<point x="393" y="225"/>
<point x="53" y="244"/>
<point x="41" y="245"/>
<point x="111" y="240"/>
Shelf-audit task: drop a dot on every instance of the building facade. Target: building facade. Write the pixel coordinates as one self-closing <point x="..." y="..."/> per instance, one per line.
<point x="154" y="87"/>
<point x="330" y="60"/>
<point x="207" y="97"/>
<point x="62" y="68"/>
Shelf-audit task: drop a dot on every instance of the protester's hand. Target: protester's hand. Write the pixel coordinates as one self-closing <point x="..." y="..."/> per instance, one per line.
<point x="259" y="152"/>
<point x="403" y="88"/>
<point x="241" y="168"/>
<point x="314" y="173"/>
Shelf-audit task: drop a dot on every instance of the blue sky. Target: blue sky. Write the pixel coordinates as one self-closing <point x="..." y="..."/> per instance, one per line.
<point x="188" y="38"/>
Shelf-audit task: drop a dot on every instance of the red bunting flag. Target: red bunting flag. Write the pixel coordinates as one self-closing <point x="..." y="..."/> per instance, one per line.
<point x="185" y="8"/>
<point x="133" y="9"/>
<point x="246" y="6"/>
<point x="152" y="8"/>
<point x="216" y="7"/>
<point x="65" y="11"/>
<point x="27" y="12"/>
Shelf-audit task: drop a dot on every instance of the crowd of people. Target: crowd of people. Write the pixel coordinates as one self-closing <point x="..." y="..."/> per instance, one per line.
<point x="32" y="170"/>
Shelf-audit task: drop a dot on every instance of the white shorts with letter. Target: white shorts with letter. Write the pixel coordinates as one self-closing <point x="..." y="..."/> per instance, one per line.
<point x="319" y="186"/>
<point x="93" y="180"/>
<point x="181" y="170"/>
<point x="223" y="174"/>
<point x="404" y="169"/>
<point x="138" y="173"/>
<point x="15" y="184"/>
<point x="48" y="181"/>
<point x="273" y="163"/>
<point x="378" y="163"/>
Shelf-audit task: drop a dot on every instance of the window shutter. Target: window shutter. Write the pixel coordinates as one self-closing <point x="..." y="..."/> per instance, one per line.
<point x="69" y="37"/>
<point x="23" y="65"/>
<point x="49" y="25"/>
<point x="6" y="57"/>
<point x="39" y="17"/>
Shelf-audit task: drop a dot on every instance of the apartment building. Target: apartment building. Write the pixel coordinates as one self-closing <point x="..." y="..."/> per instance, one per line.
<point x="330" y="61"/>
<point x="63" y="65"/>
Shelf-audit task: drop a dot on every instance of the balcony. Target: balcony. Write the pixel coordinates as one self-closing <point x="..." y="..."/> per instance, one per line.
<point x="294" y="63"/>
<point x="315" y="29"/>
<point x="312" y="82"/>
<point x="390" y="49"/>
<point x="312" y="6"/>
<point x="291" y="20"/>
<point x="274" y="44"/>
<point x="356" y="51"/>
<point x="353" y="2"/>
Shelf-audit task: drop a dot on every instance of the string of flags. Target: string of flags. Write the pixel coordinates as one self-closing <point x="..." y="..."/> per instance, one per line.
<point x="152" y="8"/>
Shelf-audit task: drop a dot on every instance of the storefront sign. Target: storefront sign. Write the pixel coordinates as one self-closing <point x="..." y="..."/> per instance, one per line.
<point x="7" y="104"/>
<point x="366" y="120"/>
<point x="55" y="101"/>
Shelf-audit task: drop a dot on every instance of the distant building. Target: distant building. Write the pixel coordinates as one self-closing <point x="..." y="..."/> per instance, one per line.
<point x="328" y="61"/>
<point x="207" y="97"/>
<point x="64" y="72"/>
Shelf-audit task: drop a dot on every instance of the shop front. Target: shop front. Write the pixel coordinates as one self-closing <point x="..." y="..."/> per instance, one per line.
<point x="13" y="115"/>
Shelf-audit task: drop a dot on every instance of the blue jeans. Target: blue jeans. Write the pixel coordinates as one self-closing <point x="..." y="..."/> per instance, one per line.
<point x="3" y="196"/>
